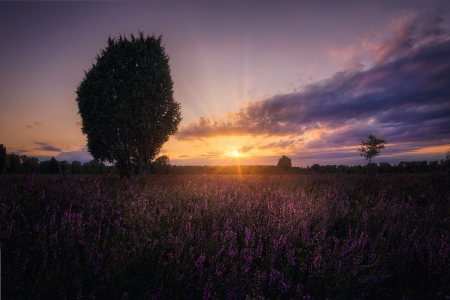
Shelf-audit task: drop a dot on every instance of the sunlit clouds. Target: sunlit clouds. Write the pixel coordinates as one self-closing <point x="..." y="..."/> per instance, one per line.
<point x="404" y="97"/>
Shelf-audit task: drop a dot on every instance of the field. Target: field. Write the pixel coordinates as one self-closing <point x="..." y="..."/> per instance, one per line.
<point x="364" y="236"/>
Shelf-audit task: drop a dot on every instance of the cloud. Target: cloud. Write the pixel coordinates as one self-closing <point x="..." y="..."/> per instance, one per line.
<point x="411" y="31"/>
<point x="79" y="124"/>
<point x="282" y="144"/>
<point x="16" y="150"/>
<point x="46" y="147"/>
<point x="211" y="154"/>
<point x="29" y="126"/>
<point x="245" y="149"/>
<point x="81" y="155"/>
<point x="37" y="123"/>
<point x="404" y="96"/>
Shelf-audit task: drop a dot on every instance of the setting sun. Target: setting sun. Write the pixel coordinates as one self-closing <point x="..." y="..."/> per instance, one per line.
<point x="236" y="153"/>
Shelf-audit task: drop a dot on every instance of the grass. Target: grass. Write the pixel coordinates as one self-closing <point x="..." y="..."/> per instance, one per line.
<point x="225" y="237"/>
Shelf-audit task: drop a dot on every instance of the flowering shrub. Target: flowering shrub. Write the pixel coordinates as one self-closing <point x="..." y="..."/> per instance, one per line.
<point x="225" y="237"/>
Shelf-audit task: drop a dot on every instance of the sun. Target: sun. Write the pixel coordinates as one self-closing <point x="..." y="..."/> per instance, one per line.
<point x="236" y="153"/>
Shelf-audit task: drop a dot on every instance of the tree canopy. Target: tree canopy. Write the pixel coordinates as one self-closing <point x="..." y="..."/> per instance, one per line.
<point x="53" y="166"/>
<point x="126" y="103"/>
<point x="371" y="148"/>
<point x="284" y="163"/>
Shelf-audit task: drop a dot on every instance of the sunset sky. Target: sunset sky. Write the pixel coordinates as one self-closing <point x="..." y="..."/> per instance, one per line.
<point x="256" y="79"/>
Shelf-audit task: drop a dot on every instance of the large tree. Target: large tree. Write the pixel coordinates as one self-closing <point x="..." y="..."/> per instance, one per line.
<point x="126" y="103"/>
<point x="371" y="148"/>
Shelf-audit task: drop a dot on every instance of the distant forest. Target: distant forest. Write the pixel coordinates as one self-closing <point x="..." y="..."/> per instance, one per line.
<point x="22" y="164"/>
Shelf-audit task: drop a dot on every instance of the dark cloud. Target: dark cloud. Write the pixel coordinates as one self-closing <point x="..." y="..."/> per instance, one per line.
<point x="47" y="147"/>
<point x="403" y="97"/>
<point x="16" y="150"/>
<point x="51" y="148"/>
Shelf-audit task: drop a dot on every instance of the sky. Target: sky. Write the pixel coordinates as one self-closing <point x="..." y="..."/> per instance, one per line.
<point x="256" y="79"/>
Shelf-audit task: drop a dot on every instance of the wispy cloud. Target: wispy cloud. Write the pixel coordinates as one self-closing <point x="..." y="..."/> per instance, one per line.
<point x="245" y="149"/>
<point x="211" y="154"/>
<point x="37" y="123"/>
<point x="404" y="96"/>
<point x="47" y="147"/>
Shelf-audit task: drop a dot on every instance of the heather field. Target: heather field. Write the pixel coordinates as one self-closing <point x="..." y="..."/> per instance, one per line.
<point x="364" y="236"/>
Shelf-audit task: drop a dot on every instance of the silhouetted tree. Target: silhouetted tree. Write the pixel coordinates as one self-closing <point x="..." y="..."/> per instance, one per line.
<point x="64" y="166"/>
<point x="2" y="159"/>
<point x="29" y="164"/>
<point x="371" y="148"/>
<point x="76" y="167"/>
<point x="53" y="166"/>
<point x="13" y="164"/>
<point x="315" y="168"/>
<point x="161" y="165"/>
<point x="126" y="103"/>
<point x="284" y="163"/>
<point x="43" y="167"/>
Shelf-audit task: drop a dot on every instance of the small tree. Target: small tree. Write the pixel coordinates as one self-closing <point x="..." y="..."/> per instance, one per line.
<point x="29" y="164"/>
<point x="53" y="166"/>
<point x="371" y="147"/>
<point x="76" y="167"/>
<point x="64" y="166"/>
<point x="13" y="163"/>
<point x="284" y="163"/>
<point x="161" y="164"/>
<point x="43" y="167"/>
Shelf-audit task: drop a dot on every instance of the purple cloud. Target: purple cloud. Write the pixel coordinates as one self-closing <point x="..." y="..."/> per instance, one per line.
<point x="81" y="155"/>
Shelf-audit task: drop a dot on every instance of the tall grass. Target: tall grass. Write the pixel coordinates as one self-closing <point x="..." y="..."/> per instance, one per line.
<point x="225" y="237"/>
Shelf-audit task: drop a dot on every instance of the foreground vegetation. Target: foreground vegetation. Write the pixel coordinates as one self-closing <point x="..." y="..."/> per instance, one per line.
<point x="225" y="236"/>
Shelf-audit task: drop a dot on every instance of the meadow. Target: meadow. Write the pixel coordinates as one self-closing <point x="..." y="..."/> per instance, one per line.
<point x="317" y="236"/>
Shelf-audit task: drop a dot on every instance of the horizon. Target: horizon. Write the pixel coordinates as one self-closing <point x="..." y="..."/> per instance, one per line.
<point x="255" y="80"/>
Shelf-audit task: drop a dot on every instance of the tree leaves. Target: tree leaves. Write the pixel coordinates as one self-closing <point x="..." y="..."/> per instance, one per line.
<point x="371" y="148"/>
<point x="126" y="102"/>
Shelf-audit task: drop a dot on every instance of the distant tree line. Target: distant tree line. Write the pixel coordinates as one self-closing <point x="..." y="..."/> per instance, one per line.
<point x="11" y="163"/>
<point x="382" y="168"/>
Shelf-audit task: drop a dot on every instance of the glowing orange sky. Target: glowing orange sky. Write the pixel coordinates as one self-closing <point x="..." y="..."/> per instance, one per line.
<point x="229" y="61"/>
